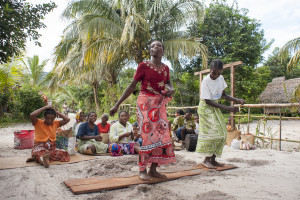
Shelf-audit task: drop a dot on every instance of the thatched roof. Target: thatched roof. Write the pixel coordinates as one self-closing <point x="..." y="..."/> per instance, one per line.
<point x="275" y="91"/>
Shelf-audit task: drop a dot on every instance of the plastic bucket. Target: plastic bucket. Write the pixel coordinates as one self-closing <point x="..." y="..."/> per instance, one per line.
<point x="24" y="139"/>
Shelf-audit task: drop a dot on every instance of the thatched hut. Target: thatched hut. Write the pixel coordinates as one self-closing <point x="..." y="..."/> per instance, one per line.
<point x="280" y="91"/>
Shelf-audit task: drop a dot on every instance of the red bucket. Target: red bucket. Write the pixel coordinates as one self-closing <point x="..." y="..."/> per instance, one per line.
<point x="24" y="139"/>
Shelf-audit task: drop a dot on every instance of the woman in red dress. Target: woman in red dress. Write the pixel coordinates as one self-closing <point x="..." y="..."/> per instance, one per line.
<point x="156" y="91"/>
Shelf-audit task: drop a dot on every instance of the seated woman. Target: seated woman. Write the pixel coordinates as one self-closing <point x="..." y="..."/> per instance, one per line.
<point x="44" y="149"/>
<point x="89" y="140"/>
<point x="104" y="128"/>
<point x="80" y="117"/>
<point x="121" y="137"/>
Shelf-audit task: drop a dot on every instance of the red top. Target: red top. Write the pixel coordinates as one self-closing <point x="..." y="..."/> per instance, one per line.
<point x="104" y="129"/>
<point x="153" y="79"/>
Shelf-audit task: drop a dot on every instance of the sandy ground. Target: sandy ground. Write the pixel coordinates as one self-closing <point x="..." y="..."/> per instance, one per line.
<point x="261" y="174"/>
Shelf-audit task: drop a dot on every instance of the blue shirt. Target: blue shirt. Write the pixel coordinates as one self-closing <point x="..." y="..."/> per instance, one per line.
<point x="85" y="130"/>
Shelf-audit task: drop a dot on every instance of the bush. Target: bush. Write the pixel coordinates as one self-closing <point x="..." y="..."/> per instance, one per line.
<point x="29" y="100"/>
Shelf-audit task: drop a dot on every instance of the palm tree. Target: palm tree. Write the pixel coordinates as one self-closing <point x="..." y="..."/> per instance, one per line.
<point x="104" y="35"/>
<point x="292" y="47"/>
<point x="34" y="70"/>
<point x="134" y="23"/>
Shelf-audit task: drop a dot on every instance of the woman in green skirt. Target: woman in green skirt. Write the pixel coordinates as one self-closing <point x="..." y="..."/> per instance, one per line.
<point x="212" y="129"/>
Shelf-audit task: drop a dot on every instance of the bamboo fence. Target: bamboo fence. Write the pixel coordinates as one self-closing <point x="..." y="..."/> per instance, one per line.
<point x="249" y="106"/>
<point x="282" y="105"/>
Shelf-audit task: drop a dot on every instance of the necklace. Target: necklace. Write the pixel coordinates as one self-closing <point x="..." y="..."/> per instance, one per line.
<point x="159" y="69"/>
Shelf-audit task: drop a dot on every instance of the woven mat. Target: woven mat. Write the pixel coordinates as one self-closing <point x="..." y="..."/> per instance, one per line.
<point x="18" y="161"/>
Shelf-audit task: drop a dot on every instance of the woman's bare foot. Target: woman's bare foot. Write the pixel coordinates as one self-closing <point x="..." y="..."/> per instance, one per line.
<point x="156" y="174"/>
<point x="46" y="157"/>
<point x="152" y="172"/>
<point x="207" y="163"/>
<point x="214" y="162"/>
<point x="144" y="176"/>
<point x="31" y="159"/>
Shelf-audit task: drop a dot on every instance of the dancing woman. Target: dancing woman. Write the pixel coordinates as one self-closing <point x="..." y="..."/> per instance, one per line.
<point x="156" y="91"/>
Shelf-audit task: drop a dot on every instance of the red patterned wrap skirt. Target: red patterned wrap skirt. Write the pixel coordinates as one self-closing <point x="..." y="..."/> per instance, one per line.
<point x="152" y="117"/>
<point x="40" y="148"/>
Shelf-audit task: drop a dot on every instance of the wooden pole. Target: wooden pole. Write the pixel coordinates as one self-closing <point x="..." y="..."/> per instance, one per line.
<point x="268" y="117"/>
<point x="286" y="140"/>
<point x="248" y="121"/>
<point x="232" y="92"/>
<point x="200" y="81"/>
<point x="274" y="105"/>
<point x="280" y="132"/>
<point x="234" y="64"/>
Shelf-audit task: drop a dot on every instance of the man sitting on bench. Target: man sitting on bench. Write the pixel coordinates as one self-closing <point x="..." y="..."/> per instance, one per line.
<point x="188" y="126"/>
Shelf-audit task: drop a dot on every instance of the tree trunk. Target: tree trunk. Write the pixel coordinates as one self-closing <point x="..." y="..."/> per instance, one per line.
<point x="95" y="88"/>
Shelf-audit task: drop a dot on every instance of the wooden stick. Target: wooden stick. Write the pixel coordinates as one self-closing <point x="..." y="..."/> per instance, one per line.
<point x="248" y="120"/>
<point x="232" y="92"/>
<point x="286" y="140"/>
<point x="280" y="132"/>
<point x="270" y="117"/>
<point x="269" y="105"/>
<point x="206" y="71"/>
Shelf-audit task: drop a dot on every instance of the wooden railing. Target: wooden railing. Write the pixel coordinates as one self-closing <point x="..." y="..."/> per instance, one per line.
<point x="249" y="106"/>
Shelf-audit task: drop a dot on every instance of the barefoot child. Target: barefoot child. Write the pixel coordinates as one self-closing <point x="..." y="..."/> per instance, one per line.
<point x="44" y="150"/>
<point x="212" y="129"/>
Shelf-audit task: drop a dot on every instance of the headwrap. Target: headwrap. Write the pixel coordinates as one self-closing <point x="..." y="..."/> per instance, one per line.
<point x="78" y="115"/>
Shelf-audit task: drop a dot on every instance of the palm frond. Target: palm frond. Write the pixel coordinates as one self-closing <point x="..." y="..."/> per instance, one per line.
<point x="186" y="47"/>
<point x="292" y="47"/>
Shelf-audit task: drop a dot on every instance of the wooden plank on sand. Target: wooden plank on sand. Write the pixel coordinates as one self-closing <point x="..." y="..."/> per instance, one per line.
<point x="96" y="184"/>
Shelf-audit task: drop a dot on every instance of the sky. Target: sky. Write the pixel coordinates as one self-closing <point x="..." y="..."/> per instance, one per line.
<point x="280" y="21"/>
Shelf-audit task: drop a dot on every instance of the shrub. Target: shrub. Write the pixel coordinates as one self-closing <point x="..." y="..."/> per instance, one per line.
<point x="29" y="100"/>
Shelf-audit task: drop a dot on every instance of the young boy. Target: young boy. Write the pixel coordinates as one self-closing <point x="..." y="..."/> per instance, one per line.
<point x="177" y="123"/>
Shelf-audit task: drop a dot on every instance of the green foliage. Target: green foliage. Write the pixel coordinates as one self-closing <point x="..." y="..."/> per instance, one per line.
<point x="6" y="121"/>
<point x="34" y="71"/>
<point x="25" y="24"/>
<point x="230" y="34"/>
<point x="28" y="100"/>
<point x="278" y="66"/>
<point x="186" y="87"/>
<point x="251" y="86"/>
<point x="108" y="99"/>
<point x="291" y="49"/>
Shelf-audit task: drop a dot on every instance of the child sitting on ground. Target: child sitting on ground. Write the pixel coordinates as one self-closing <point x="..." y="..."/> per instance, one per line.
<point x="44" y="149"/>
<point x="136" y="135"/>
<point x="121" y="137"/>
